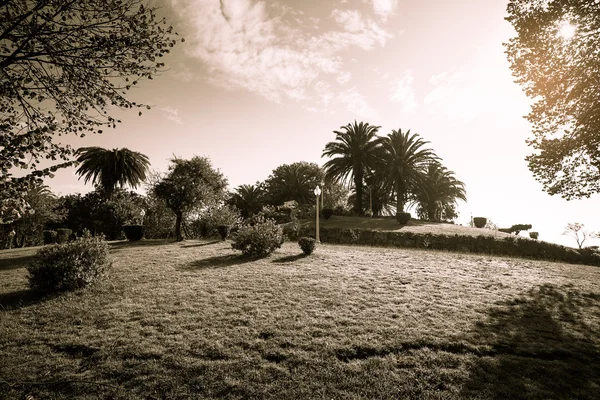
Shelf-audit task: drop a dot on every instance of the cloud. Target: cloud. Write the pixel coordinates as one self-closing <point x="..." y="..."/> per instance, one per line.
<point x="172" y="114"/>
<point x="357" y="104"/>
<point x="260" y="47"/>
<point x="384" y="8"/>
<point x="402" y="91"/>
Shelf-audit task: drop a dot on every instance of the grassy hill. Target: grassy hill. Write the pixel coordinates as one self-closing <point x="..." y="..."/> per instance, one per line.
<point x="193" y="320"/>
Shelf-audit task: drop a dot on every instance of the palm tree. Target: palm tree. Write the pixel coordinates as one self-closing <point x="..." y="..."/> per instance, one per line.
<point x="249" y="199"/>
<point x="404" y="160"/>
<point x="294" y="181"/>
<point x="354" y="149"/>
<point x="440" y="193"/>
<point x="111" y="168"/>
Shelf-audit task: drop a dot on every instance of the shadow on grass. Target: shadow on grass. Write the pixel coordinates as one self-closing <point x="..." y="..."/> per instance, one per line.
<point x="16" y="262"/>
<point x="542" y="347"/>
<point x="219" y="262"/>
<point x="22" y="298"/>
<point x="202" y="244"/>
<point x="288" y="259"/>
<point x="140" y="243"/>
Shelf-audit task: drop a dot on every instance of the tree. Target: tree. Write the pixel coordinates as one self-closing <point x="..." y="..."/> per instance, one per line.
<point x="249" y="199"/>
<point x="63" y="65"/>
<point x="554" y="58"/>
<point x="294" y="181"/>
<point x="436" y="199"/>
<point x="189" y="185"/>
<point x="405" y="160"/>
<point x="577" y="231"/>
<point x="354" y="152"/>
<point x="112" y="168"/>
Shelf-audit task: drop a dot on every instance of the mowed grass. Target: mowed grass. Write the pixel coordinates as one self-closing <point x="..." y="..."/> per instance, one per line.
<point x="194" y="320"/>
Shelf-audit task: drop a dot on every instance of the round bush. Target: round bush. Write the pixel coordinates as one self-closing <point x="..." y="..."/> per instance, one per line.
<point x="479" y="222"/>
<point x="534" y="235"/>
<point x="259" y="239"/>
<point x="68" y="266"/>
<point x="133" y="232"/>
<point x="307" y="244"/>
<point x="327" y="213"/>
<point x="403" y="217"/>
<point x="63" y="235"/>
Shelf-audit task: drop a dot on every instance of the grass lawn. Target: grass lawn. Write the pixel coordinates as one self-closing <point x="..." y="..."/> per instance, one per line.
<point x="193" y="320"/>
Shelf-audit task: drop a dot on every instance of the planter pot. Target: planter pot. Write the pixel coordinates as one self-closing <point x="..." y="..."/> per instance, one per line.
<point x="479" y="222"/>
<point x="223" y="231"/>
<point x="133" y="232"/>
<point x="403" y="218"/>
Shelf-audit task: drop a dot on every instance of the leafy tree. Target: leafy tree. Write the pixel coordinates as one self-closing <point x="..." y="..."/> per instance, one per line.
<point x="189" y="185"/>
<point x="111" y="168"/>
<point x="560" y="73"/>
<point x="335" y="195"/>
<point x="63" y="65"/>
<point x="577" y="231"/>
<point x="249" y="199"/>
<point x="436" y="199"/>
<point x="405" y="162"/>
<point x="354" y="152"/>
<point x="294" y="182"/>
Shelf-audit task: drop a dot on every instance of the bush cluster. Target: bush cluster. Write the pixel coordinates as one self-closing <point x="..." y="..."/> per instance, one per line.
<point x="307" y="244"/>
<point x="258" y="238"/>
<point x="69" y="266"/>
<point x="506" y="246"/>
<point x="133" y="232"/>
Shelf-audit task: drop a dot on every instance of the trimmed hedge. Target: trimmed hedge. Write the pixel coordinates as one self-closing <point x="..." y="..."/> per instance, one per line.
<point x="479" y="222"/>
<point x="63" y="235"/>
<point x="307" y="244"/>
<point x="506" y="246"/>
<point x="133" y="232"/>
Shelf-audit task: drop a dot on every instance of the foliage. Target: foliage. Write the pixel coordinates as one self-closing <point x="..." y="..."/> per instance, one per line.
<point x="133" y="232"/>
<point x="307" y="244"/>
<point x="259" y="239"/>
<point x="479" y="222"/>
<point x="560" y="73"/>
<point x="327" y="213"/>
<point x="520" y="227"/>
<point x="69" y="266"/>
<point x="190" y="185"/>
<point x="404" y="162"/>
<point x="49" y="236"/>
<point x="488" y="225"/>
<point x="249" y="199"/>
<point x="436" y="199"/>
<point x="577" y="231"/>
<point x="64" y="65"/>
<point x="158" y="220"/>
<point x="534" y="235"/>
<point x="295" y="181"/>
<point x="63" y="235"/>
<point x="222" y="216"/>
<point x="111" y="168"/>
<point x="334" y="195"/>
<point x="352" y="154"/>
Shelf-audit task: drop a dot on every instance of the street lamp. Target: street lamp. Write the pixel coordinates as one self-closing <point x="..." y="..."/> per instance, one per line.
<point x="317" y="192"/>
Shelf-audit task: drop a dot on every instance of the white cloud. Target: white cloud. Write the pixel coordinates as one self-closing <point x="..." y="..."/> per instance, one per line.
<point x="403" y="92"/>
<point x="357" y="104"/>
<point x="344" y="78"/>
<point x="172" y="114"/>
<point x="384" y="8"/>
<point x="256" y="45"/>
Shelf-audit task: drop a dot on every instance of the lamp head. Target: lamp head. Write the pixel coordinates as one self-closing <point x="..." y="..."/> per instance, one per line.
<point x="317" y="190"/>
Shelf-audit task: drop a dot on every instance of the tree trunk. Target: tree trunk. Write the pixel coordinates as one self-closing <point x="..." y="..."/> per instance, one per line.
<point x="400" y="191"/>
<point x="358" y="178"/>
<point x="178" y="226"/>
<point x="432" y="215"/>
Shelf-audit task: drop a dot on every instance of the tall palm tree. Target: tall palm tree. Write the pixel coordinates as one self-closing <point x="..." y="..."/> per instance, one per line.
<point x="404" y="160"/>
<point x="440" y="193"/>
<point x="249" y="199"/>
<point x="112" y="168"/>
<point x="354" y="150"/>
<point x="294" y="181"/>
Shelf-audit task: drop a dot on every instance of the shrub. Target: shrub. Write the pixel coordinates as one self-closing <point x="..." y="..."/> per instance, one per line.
<point x="133" y="232"/>
<point x="307" y="244"/>
<point x="534" y="235"/>
<point x="63" y="235"/>
<point x="327" y="213"/>
<point x="479" y="222"/>
<point x="520" y="227"/>
<point x="69" y="266"/>
<point x="49" y="237"/>
<point x="403" y="217"/>
<point x="259" y="239"/>
<point x="223" y="231"/>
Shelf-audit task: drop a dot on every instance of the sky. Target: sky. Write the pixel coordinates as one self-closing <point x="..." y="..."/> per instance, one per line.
<point x="258" y="84"/>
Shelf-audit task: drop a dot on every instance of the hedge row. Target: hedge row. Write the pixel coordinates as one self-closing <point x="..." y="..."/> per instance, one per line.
<point x="505" y="246"/>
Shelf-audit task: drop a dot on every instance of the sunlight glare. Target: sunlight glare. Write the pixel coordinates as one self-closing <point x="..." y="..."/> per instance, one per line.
<point x="567" y="31"/>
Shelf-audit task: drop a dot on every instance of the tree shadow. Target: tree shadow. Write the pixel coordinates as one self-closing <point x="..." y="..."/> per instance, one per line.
<point x="202" y="244"/>
<point x="288" y="259"/>
<point x="16" y="262"/>
<point x="219" y="262"/>
<point x="543" y="345"/>
<point x="22" y="298"/>
<point x="140" y="243"/>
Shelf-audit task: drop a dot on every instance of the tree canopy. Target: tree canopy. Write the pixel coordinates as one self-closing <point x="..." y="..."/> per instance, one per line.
<point x="554" y="57"/>
<point x="294" y="181"/>
<point x="64" y="65"/>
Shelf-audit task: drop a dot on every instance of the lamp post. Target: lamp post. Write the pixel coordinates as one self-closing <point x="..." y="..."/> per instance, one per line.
<point x="317" y="192"/>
